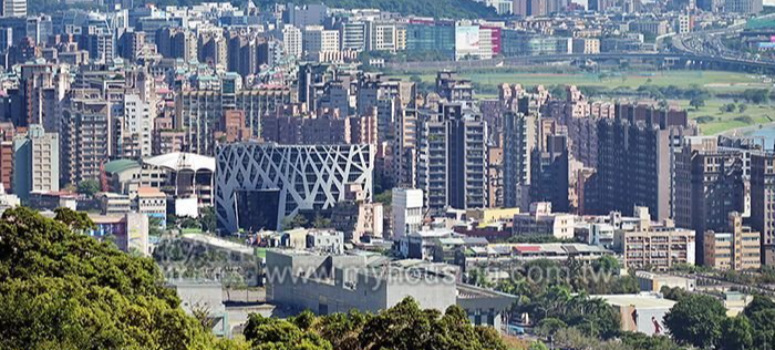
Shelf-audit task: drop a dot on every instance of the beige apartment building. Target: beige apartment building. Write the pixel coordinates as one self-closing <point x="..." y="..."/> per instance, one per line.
<point x="655" y="246"/>
<point x="85" y="136"/>
<point x="151" y="201"/>
<point x="737" y="249"/>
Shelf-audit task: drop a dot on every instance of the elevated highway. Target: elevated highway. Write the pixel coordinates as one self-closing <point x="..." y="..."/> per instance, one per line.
<point x="688" y="51"/>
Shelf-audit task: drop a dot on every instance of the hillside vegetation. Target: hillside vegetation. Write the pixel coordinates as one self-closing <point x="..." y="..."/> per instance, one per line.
<point x="63" y="290"/>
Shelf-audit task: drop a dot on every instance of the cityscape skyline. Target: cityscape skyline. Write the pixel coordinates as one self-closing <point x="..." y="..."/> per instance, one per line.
<point x="445" y="174"/>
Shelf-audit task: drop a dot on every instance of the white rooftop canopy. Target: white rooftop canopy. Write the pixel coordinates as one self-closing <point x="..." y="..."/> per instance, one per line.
<point x="178" y="161"/>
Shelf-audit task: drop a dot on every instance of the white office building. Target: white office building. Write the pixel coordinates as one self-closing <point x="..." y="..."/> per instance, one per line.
<point x="135" y="127"/>
<point x="353" y="36"/>
<point x="315" y="40"/>
<point x="36" y="161"/>
<point x="14" y="8"/>
<point x="381" y="36"/>
<point x="292" y="41"/>
<point x="407" y="211"/>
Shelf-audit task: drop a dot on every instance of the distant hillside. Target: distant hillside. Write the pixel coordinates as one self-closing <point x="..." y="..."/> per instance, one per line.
<point x="426" y="8"/>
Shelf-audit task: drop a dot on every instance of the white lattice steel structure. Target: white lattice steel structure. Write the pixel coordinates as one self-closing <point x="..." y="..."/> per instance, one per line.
<point x="307" y="176"/>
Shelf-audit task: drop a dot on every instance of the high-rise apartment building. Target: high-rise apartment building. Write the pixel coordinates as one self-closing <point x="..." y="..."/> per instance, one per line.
<point x="198" y="111"/>
<point x="519" y="7"/>
<point x="42" y="86"/>
<point x="312" y="76"/>
<point x="7" y="172"/>
<point x="405" y="147"/>
<point x="709" y="184"/>
<point x="100" y="42"/>
<point x="551" y="173"/>
<point x="134" y="127"/>
<point x="36" y="162"/>
<point x="736" y="248"/>
<point x="763" y="202"/>
<point x="520" y="138"/>
<point x="685" y="23"/>
<point x="175" y="42"/>
<point x="242" y="57"/>
<point x="453" y="89"/>
<point x="292" y="41"/>
<point x="743" y="6"/>
<point x="40" y="28"/>
<point x="316" y="39"/>
<point x="132" y="45"/>
<point x="537" y="8"/>
<point x="635" y="162"/>
<point x="85" y="134"/>
<point x="452" y="158"/>
<point x="213" y="49"/>
<point x="14" y="8"/>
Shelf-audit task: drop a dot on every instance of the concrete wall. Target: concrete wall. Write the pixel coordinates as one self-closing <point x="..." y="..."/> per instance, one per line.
<point x="439" y="294"/>
<point x="642" y="319"/>
<point x="350" y="284"/>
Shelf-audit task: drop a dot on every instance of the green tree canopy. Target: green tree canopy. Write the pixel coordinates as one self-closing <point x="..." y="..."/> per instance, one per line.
<point x="296" y="221"/>
<point x="207" y="219"/>
<point x="549" y="326"/>
<point x="640" y="341"/>
<point x="674" y="293"/>
<point x="62" y="290"/>
<point x="402" y="327"/>
<point x="759" y="303"/>
<point x="736" y="333"/>
<point x="321" y="222"/>
<point x="761" y="313"/>
<point x="88" y="187"/>
<point x="696" y="319"/>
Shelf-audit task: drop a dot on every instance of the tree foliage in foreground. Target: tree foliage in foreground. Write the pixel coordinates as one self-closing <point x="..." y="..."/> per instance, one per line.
<point x="62" y="290"/>
<point x="402" y="327"/>
<point x="701" y="321"/>
<point x="696" y="319"/>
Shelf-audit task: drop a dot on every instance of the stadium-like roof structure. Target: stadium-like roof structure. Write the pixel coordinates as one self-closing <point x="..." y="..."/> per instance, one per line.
<point x="178" y="161"/>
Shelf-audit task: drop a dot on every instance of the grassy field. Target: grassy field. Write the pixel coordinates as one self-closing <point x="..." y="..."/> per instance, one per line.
<point x="715" y="81"/>
<point x="723" y="121"/>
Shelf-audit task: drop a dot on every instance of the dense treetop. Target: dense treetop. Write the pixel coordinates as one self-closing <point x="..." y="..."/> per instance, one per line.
<point x="402" y="327"/>
<point x="63" y="290"/>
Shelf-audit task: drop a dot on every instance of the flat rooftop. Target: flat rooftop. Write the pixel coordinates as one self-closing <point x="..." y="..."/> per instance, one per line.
<point x="218" y="242"/>
<point x="640" y="301"/>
